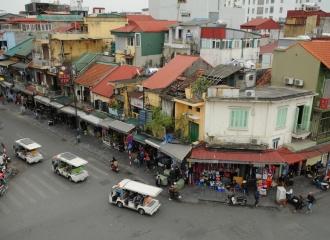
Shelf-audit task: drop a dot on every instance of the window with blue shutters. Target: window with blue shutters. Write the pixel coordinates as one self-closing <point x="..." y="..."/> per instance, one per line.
<point x="239" y="118"/>
<point x="281" y="117"/>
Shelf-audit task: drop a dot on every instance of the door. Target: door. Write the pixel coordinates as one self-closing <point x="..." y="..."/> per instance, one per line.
<point x="193" y="131"/>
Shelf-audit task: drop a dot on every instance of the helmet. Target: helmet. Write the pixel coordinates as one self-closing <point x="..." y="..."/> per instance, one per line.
<point x="175" y="183"/>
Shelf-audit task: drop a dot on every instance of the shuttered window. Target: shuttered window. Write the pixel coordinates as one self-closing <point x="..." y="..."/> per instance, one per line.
<point x="281" y="117"/>
<point x="239" y="118"/>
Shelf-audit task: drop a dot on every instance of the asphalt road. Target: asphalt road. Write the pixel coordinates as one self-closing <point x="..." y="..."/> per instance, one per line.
<point x="41" y="205"/>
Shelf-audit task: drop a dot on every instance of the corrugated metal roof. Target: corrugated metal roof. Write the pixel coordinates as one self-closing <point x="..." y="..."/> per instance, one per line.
<point x="61" y="18"/>
<point x="319" y="49"/>
<point x="22" y="49"/>
<point x="270" y="156"/>
<point x="83" y="60"/>
<point x="169" y="73"/>
<point x="92" y="75"/>
<point x="119" y="73"/>
<point x="222" y="71"/>
<point x="145" y="26"/>
<point x="261" y="23"/>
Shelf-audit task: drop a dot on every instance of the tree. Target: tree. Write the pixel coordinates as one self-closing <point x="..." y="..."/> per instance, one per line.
<point x="159" y="123"/>
<point x="200" y="86"/>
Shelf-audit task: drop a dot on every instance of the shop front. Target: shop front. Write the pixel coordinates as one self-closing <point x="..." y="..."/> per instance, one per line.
<point x="106" y="132"/>
<point x="69" y="115"/>
<point x="90" y="125"/>
<point x="263" y="168"/>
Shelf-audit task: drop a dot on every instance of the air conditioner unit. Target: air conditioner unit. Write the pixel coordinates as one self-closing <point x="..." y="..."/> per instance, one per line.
<point x="127" y="51"/>
<point x="139" y="88"/>
<point x="250" y="93"/>
<point x="53" y="70"/>
<point x="4" y="48"/>
<point x="117" y="91"/>
<point x="298" y="82"/>
<point x="288" y="80"/>
<point x="255" y="141"/>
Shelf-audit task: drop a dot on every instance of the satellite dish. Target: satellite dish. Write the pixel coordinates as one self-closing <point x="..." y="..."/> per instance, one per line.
<point x="221" y="23"/>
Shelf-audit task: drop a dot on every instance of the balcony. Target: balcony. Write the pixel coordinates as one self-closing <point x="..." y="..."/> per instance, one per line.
<point x="301" y="132"/>
<point x="179" y="43"/>
<point x="41" y="62"/>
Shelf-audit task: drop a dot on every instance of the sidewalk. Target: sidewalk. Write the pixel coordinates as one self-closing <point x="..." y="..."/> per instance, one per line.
<point x="192" y="194"/>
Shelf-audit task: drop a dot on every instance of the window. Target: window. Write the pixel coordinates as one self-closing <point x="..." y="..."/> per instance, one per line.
<point x="198" y="109"/>
<point x="236" y="43"/>
<point x="260" y="10"/>
<point x="189" y="107"/>
<point x="281" y="9"/>
<point x="275" y="143"/>
<point x="215" y="43"/>
<point x="261" y="2"/>
<point x="239" y="118"/>
<point x="271" y="9"/>
<point x="281" y="117"/>
<point x="240" y="77"/>
<point x="225" y="44"/>
<point x="247" y="43"/>
<point x="266" y="10"/>
<point x="252" y="10"/>
<point x="130" y="41"/>
<point x="281" y="1"/>
<point x="138" y="39"/>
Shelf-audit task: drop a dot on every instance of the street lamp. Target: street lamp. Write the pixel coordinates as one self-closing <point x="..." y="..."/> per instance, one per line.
<point x="67" y="77"/>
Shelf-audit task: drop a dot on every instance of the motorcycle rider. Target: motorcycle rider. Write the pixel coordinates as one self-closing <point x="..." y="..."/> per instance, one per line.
<point x="173" y="190"/>
<point x="114" y="163"/>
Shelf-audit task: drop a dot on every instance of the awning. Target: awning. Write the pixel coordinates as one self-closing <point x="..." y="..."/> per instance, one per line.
<point x="153" y="142"/>
<point x="43" y="100"/>
<point x="92" y="119"/>
<point x="128" y="56"/>
<point x="20" y="65"/>
<point x="176" y="151"/>
<point x="56" y="105"/>
<point x="105" y="122"/>
<point x="72" y="111"/>
<point x="6" y="63"/>
<point x="140" y="138"/>
<point x="209" y="155"/>
<point x="121" y="126"/>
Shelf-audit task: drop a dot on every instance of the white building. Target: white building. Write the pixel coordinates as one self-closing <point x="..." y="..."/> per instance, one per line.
<point x="271" y="116"/>
<point x="196" y="9"/>
<point x="221" y="45"/>
<point x="275" y="9"/>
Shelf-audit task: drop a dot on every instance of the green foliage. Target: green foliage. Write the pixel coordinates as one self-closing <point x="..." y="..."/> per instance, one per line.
<point x="116" y="106"/>
<point x="158" y="123"/>
<point x="181" y="129"/>
<point x="200" y="86"/>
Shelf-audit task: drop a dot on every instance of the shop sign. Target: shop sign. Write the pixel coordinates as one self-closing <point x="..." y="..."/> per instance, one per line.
<point x="137" y="102"/>
<point x="64" y="76"/>
<point x="258" y="165"/>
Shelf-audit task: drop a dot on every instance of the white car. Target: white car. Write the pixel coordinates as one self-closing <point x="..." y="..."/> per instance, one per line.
<point x="28" y="150"/>
<point x="135" y="195"/>
<point x="70" y="166"/>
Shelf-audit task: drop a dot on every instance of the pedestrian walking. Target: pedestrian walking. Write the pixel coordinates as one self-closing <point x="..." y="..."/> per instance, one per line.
<point x="158" y="181"/>
<point x="147" y="160"/>
<point x="2" y="98"/>
<point x="299" y="205"/>
<point x="256" y="197"/>
<point x="310" y="202"/>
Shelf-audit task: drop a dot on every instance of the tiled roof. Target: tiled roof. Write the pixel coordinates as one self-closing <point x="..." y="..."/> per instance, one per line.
<point x="146" y="26"/>
<point x="268" y="48"/>
<point x="170" y="72"/>
<point x="319" y="49"/>
<point x="23" y="20"/>
<point x="92" y="75"/>
<point x="261" y="23"/>
<point x="139" y="17"/>
<point x="119" y="73"/>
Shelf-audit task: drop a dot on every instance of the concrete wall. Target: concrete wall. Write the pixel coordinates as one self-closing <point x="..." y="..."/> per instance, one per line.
<point x="261" y="122"/>
<point x="297" y="63"/>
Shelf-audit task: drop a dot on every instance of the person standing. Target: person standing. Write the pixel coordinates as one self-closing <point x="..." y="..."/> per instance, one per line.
<point x="158" y="181"/>
<point x="298" y="205"/>
<point x="172" y="176"/>
<point x="147" y="160"/>
<point x="256" y="197"/>
<point x="310" y="202"/>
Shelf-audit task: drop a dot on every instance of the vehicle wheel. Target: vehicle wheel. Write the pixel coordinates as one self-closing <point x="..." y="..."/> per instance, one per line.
<point x="16" y="154"/>
<point x="120" y="204"/>
<point x="57" y="171"/>
<point x="70" y="179"/>
<point x="227" y="202"/>
<point x="244" y="203"/>
<point x="3" y="192"/>
<point x="141" y="211"/>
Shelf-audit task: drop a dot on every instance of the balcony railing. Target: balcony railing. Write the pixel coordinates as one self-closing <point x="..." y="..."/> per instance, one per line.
<point x="41" y="63"/>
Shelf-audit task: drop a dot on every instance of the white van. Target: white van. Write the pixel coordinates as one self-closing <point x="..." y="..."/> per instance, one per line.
<point x="135" y="195"/>
<point x="28" y="150"/>
<point x="70" y="166"/>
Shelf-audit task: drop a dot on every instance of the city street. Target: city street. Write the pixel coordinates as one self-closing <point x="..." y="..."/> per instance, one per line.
<point x="41" y="205"/>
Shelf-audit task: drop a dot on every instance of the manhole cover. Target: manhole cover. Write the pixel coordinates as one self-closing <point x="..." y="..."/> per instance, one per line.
<point x="105" y="182"/>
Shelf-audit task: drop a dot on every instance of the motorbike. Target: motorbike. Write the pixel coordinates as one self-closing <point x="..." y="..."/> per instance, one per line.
<point x="112" y="165"/>
<point x="231" y="200"/>
<point x="174" y="195"/>
<point x="317" y="181"/>
<point x="3" y="189"/>
<point x="292" y="199"/>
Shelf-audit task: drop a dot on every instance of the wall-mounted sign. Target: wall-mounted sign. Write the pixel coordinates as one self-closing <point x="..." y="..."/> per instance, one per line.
<point x="64" y="76"/>
<point x="137" y="102"/>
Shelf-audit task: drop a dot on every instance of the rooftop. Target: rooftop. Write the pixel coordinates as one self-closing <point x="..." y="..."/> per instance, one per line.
<point x="319" y="49"/>
<point x="145" y="26"/>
